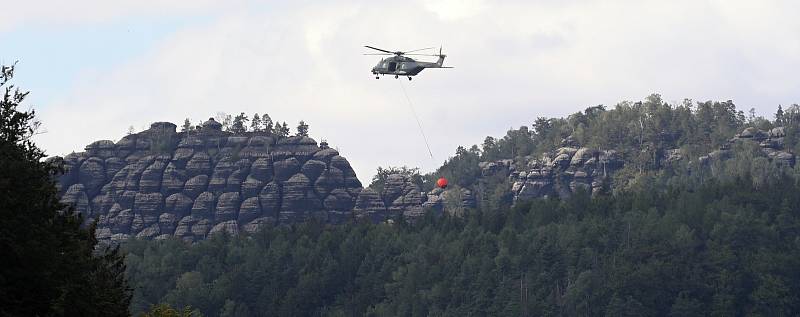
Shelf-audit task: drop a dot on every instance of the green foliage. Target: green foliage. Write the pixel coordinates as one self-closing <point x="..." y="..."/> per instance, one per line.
<point x="187" y="126"/>
<point x="164" y="310"/>
<point x="281" y="130"/>
<point x="379" y="179"/>
<point x="267" y="122"/>
<point x="50" y="265"/>
<point x="460" y="170"/>
<point x="255" y="124"/>
<point x="302" y="128"/>
<point x="717" y="248"/>
<point x="239" y="124"/>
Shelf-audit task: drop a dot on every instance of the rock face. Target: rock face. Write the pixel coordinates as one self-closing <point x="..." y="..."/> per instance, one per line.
<point x="160" y="183"/>
<point x="570" y="168"/>
<point x="557" y="174"/>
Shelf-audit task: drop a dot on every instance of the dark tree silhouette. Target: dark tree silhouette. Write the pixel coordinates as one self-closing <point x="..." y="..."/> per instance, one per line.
<point x="49" y="264"/>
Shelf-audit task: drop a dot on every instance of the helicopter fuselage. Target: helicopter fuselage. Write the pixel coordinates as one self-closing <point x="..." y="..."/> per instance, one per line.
<point x="403" y="66"/>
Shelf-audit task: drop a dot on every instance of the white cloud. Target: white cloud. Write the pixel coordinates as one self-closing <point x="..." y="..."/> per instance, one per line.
<point x="514" y="62"/>
<point x="61" y="13"/>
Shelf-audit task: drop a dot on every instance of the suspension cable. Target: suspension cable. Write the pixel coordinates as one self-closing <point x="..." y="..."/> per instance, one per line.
<point x="419" y="124"/>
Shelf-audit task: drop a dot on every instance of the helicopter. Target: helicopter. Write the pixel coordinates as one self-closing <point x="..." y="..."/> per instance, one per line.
<point x="400" y="65"/>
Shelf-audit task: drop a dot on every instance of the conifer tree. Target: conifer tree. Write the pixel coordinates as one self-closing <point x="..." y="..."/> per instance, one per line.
<point x="49" y="264"/>
<point x="187" y="125"/>
<point x="267" y="122"/>
<point x="255" y="125"/>
<point x="239" y="124"/>
<point x="302" y="129"/>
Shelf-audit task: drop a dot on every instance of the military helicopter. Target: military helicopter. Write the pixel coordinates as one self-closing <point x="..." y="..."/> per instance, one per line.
<point x="400" y="65"/>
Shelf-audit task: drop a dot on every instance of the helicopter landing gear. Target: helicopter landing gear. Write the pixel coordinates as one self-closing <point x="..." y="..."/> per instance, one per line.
<point x="377" y="77"/>
<point x="409" y="77"/>
<point x="395" y="76"/>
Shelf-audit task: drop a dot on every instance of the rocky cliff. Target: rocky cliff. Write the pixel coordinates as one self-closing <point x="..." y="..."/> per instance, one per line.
<point x="561" y="172"/>
<point x="160" y="183"/>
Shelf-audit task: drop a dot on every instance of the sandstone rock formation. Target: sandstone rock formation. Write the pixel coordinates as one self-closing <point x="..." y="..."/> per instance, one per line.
<point x="160" y="183"/>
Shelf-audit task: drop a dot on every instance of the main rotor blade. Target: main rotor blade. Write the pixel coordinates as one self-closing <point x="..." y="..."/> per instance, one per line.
<point x="422" y="54"/>
<point x="378" y="49"/>
<point x="382" y="54"/>
<point x="419" y="49"/>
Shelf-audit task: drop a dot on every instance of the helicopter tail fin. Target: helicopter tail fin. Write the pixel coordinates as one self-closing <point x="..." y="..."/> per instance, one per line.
<point x="440" y="62"/>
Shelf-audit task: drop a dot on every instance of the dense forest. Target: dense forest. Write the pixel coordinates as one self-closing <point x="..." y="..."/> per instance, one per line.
<point x="717" y="249"/>
<point x="668" y="239"/>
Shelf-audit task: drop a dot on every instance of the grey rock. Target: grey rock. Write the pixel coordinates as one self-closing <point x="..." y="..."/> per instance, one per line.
<point x="167" y="223"/>
<point x="262" y="169"/>
<point x="178" y="204"/>
<point x="204" y="205"/>
<point x="256" y="224"/>
<point x="113" y="166"/>
<point x="137" y="224"/>
<point x="286" y="168"/>
<point x="339" y="200"/>
<point x="251" y="187"/>
<point x="183" y="229"/>
<point x="199" y="164"/>
<point x="121" y="223"/>
<point x="182" y="156"/>
<point x="369" y="205"/>
<point x="195" y="185"/>
<point x="211" y="124"/>
<point x="151" y="177"/>
<point x="227" y="207"/>
<point x="201" y="227"/>
<point x="777" y="132"/>
<point x="234" y="182"/>
<point x="150" y="232"/>
<point x="270" y="199"/>
<point x="329" y="180"/>
<point x="92" y="175"/>
<point x="783" y="158"/>
<point x="325" y="155"/>
<point x="299" y="200"/>
<point x="218" y="180"/>
<point x="582" y="156"/>
<point x="76" y="197"/>
<point x="249" y="210"/>
<point x="343" y="165"/>
<point x="173" y="179"/>
<point x="748" y="133"/>
<point x="236" y="141"/>
<point x="103" y="149"/>
<point x="148" y="203"/>
<point x="126" y="199"/>
<point x="313" y="169"/>
<point x="231" y="227"/>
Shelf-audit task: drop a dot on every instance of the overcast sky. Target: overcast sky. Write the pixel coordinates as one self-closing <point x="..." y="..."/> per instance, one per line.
<point x="96" y="67"/>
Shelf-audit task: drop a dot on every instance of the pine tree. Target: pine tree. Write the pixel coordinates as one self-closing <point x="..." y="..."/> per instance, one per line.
<point x="48" y="267"/>
<point x="281" y="130"/>
<point x="267" y="122"/>
<point x="779" y="116"/>
<point x="187" y="125"/>
<point x="255" y="125"/>
<point x="239" y="123"/>
<point x="302" y="129"/>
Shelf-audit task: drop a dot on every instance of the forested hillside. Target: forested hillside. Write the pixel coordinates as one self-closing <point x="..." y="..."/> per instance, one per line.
<point x="717" y="249"/>
<point x="696" y="214"/>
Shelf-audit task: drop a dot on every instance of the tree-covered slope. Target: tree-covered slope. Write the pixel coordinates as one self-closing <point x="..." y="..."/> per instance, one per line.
<point x="695" y="214"/>
<point x="717" y="249"/>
